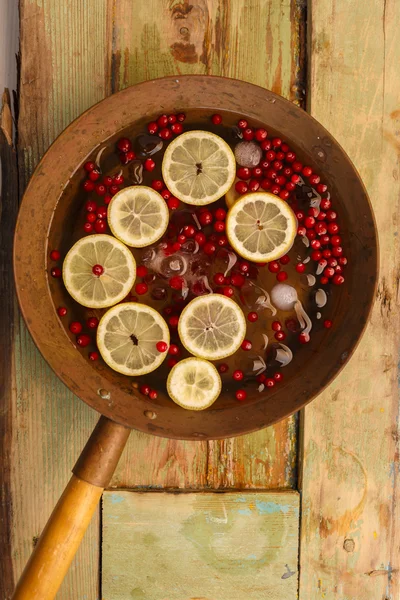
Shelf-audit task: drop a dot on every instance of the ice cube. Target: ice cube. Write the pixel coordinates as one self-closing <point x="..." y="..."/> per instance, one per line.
<point x="248" y="154"/>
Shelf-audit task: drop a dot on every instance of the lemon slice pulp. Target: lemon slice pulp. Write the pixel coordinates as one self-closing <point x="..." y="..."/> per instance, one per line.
<point x="112" y="285"/>
<point x="127" y="336"/>
<point x="261" y="227"/>
<point x="198" y="167"/>
<point x="138" y="216"/>
<point x="194" y="383"/>
<point x="212" y="327"/>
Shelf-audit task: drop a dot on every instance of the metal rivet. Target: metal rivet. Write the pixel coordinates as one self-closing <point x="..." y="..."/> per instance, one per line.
<point x="349" y="545"/>
<point x="104" y="394"/>
<point x="150" y="414"/>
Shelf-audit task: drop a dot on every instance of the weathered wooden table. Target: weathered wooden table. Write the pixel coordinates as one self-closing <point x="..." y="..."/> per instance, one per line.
<point x="310" y="506"/>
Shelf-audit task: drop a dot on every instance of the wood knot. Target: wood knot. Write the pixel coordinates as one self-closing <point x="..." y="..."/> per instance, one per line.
<point x="349" y="545"/>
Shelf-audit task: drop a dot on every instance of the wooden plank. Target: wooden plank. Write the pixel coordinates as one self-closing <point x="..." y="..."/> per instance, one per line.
<point x="252" y="40"/>
<point x="62" y="73"/>
<point x="226" y="546"/>
<point x="350" y="529"/>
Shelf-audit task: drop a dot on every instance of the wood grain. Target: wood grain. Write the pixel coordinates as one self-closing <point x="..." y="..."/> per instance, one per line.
<point x="350" y="528"/>
<point x="225" y="546"/>
<point x="258" y="42"/>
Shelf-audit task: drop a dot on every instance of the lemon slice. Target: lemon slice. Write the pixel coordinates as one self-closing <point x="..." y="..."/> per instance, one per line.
<point x="198" y="167"/>
<point x="261" y="227"/>
<point x="212" y="327"/>
<point x="127" y="336"/>
<point x="138" y="216"/>
<point x="111" y="284"/>
<point x="194" y="384"/>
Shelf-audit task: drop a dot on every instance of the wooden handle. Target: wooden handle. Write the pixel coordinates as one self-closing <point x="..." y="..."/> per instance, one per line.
<point x="64" y="531"/>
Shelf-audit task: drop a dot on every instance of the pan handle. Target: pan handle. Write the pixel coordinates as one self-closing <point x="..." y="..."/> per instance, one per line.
<point x="69" y="520"/>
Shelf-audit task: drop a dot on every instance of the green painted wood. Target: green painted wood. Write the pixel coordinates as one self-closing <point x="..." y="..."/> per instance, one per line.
<point x="228" y="546"/>
<point x="350" y="523"/>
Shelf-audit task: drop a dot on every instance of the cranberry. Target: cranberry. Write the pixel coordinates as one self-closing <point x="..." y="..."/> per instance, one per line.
<point x="326" y="253"/>
<point x="83" y="340"/>
<point x="329" y="272"/>
<point x="244" y="266"/>
<point x="237" y="280"/>
<point x="62" y="311"/>
<point x="321" y="188"/>
<point x="56" y="272"/>
<point x="241" y="395"/>
<point x="282" y="276"/>
<point x="237" y="375"/>
<point x="278" y="166"/>
<point x="304" y="338"/>
<point x="141" y="288"/>
<point x="93" y="356"/>
<point x="276" y="142"/>
<point x="141" y="271"/>
<point x="152" y="127"/>
<point x="242" y="124"/>
<point x="254" y="185"/>
<point x="107" y="199"/>
<point x="342" y="259"/>
<point x="252" y="317"/>
<point x="101" y="212"/>
<point x="321" y="228"/>
<point x="280" y="336"/>
<point x="118" y="179"/>
<point x="171" y="119"/>
<point x="176" y="282"/>
<point x="285" y="259"/>
<point x="100" y="226"/>
<point x="257" y="172"/>
<point x="89" y="166"/>
<point x="270" y="173"/>
<point x="315" y="244"/>
<point x="153" y="395"/>
<point x="216" y="119"/>
<point x="173" y="321"/>
<point x="107" y="180"/>
<point x="219" y="278"/>
<point x="189" y="231"/>
<point x="311" y="234"/>
<point x="176" y="128"/>
<point x="332" y="262"/>
<point x="261" y="378"/>
<point x="88" y="185"/>
<point x="314" y="179"/>
<point x="274" y="267"/>
<point x="228" y="291"/>
<point x="261" y="134"/>
<point x="338" y="279"/>
<point x="223" y="368"/>
<point x="88" y="227"/>
<point x="246" y="345"/>
<point x="316" y="255"/>
<point x="220" y="214"/>
<point x="162" y="121"/>
<point x="149" y="164"/>
<point x="331" y="215"/>
<point x="278" y="377"/>
<point x="157" y="185"/>
<point x="180" y="117"/>
<point x="241" y="187"/>
<point x="176" y="246"/>
<point x="307" y="171"/>
<point x="124" y="145"/>
<point x="165" y="133"/>
<point x="173" y="203"/>
<point x="91" y="217"/>
<point x="200" y="238"/>
<point x="325" y="204"/>
<point x="101" y="189"/>
<point x="94" y="175"/>
<point x="91" y="206"/>
<point x="297" y="167"/>
<point x="323" y="280"/>
<point x="291" y="324"/>
<point x="336" y="240"/>
<point x="276" y="326"/>
<point x="300" y="267"/>
<point x="333" y="228"/>
<point x="325" y="240"/>
<point x="265" y="184"/>
<point x="97" y="270"/>
<point x="55" y="255"/>
<point x="290" y="157"/>
<point x="248" y="134"/>
<point x="328" y="324"/>
<point x="284" y="194"/>
<point x="205" y="218"/>
<point x="209" y="248"/>
<point x="243" y="173"/>
<point x="92" y="322"/>
<point x="219" y="226"/>
<point x="309" y="222"/>
<point x="145" y="390"/>
<point x="269" y="382"/>
<point x="171" y="362"/>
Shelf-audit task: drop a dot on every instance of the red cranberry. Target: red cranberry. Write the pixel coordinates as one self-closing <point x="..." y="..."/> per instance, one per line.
<point x="176" y="246"/>
<point x="219" y="226"/>
<point x="55" y="255"/>
<point x="153" y="395"/>
<point x="321" y="188"/>
<point x="241" y="187"/>
<point x="141" y="271"/>
<point x="94" y="175"/>
<point x="285" y="259"/>
<point x="100" y="226"/>
<point x="244" y="266"/>
<point x="216" y="119"/>
<point x="248" y="134"/>
<point x="101" y="212"/>
<point x="176" y="128"/>
<point x="269" y="382"/>
<point x="325" y="240"/>
<point x="88" y="227"/>
<point x="311" y="234"/>
<point x="261" y="134"/>
<point x="92" y="322"/>
<point x="277" y="165"/>
<point x="314" y="179"/>
<point x="321" y="216"/>
<point x="220" y="214"/>
<point x="315" y="244"/>
<point x="276" y="326"/>
<point x="165" y="133"/>
<point x="237" y="375"/>
<point x="118" y="179"/>
<point x="173" y="349"/>
<point x="89" y="166"/>
<point x="171" y="119"/>
<point x="282" y="276"/>
<point x="274" y="267"/>
<point x="83" y="340"/>
<point x="333" y="228"/>
<point x="241" y="395"/>
<point x="290" y="157"/>
<point x="200" y="238"/>
<point x="301" y="231"/>
<point x="316" y="255"/>
<point x="261" y="378"/>
<point x="219" y="278"/>
<point x="331" y="215"/>
<point x="107" y="199"/>
<point x="56" y="272"/>
<point x="171" y="362"/>
<point x="252" y="317"/>
<point x="284" y="194"/>
<point x="342" y="259"/>
<point x="320" y="228"/>
<point x="223" y="368"/>
<point x="149" y="164"/>
<point x="180" y="117"/>
<point x="101" y="189"/>
<point x="265" y="184"/>
<point x="309" y="222"/>
<point x="297" y="167"/>
<point x="157" y="185"/>
<point x="307" y="171"/>
<point x="237" y="280"/>
<point x="280" y="336"/>
<point x="91" y="206"/>
<point x="88" y="185"/>
<point x="329" y="272"/>
<point x="97" y="270"/>
<point x="173" y="321"/>
<point x="336" y="240"/>
<point x="93" y="356"/>
<point x="300" y="267"/>
<point x="209" y="248"/>
<point x="291" y="325"/>
<point x="173" y="203"/>
<point x="337" y="279"/>
<point x="254" y="185"/>
<point x="145" y="390"/>
<point x="243" y="173"/>
<point x="276" y="142"/>
<point x="228" y="291"/>
<point x="246" y="345"/>
<point x="62" y="311"/>
<point x="152" y="127"/>
<point x="124" y="145"/>
<point x="205" y="218"/>
<point x="278" y="377"/>
<point x="242" y="124"/>
<point x="107" y="180"/>
<point x="189" y="231"/>
<point x="328" y="324"/>
<point x="323" y="280"/>
<point x="176" y="282"/>
<point x="141" y="288"/>
<point x="325" y="204"/>
<point x="162" y="121"/>
<point x="332" y="262"/>
<point x="304" y="338"/>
